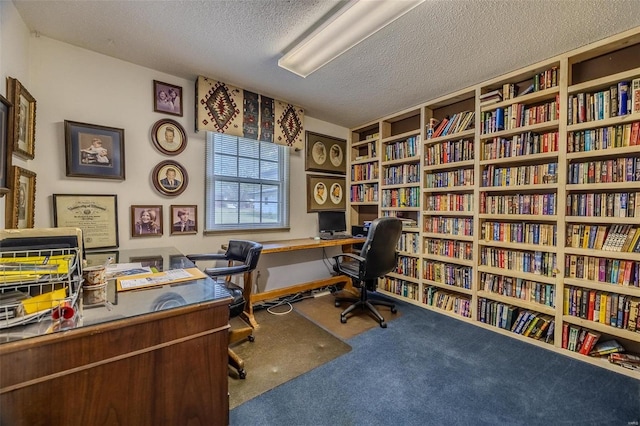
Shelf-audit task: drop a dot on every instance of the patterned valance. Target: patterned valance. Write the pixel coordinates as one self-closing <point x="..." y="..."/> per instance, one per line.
<point x="227" y="109"/>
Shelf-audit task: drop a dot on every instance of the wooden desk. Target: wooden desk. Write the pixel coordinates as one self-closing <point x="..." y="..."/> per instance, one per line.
<point x="294" y="245"/>
<point x="157" y="357"/>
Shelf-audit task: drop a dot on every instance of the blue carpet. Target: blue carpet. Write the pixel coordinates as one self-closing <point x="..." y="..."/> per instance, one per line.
<point x="429" y="369"/>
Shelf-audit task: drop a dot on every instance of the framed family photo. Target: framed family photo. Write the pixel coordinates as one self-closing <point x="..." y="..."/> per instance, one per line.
<point x="167" y="98"/>
<point x="325" y="154"/>
<point x="95" y="214"/>
<point x="146" y="221"/>
<point x="170" y="178"/>
<point x="5" y="116"/>
<point x="94" y="151"/>
<point x="22" y="203"/>
<point x="184" y="219"/>
<point x="169" y="137"/>
<point x="24" y="119"/>
<point x="325" y="193"/>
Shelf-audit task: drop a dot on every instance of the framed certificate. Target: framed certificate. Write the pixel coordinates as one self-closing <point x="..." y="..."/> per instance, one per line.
<point x="96" y="215"/>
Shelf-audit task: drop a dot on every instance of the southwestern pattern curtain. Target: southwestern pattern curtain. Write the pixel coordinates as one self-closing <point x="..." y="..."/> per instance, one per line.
<point x="223" y="108"/>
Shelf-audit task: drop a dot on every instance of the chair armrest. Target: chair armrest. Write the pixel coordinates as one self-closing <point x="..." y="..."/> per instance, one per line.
<point x="349" y="255"/>
<point x="207" y="256"/>
<point x="226" y="270"/>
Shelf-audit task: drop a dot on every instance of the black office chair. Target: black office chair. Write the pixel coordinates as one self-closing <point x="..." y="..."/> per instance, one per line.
<point x="242" y="258"/>
<point x="377" y="258"/>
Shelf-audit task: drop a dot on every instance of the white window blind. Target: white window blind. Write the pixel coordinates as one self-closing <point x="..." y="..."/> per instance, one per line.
<point x="247" y="184"/>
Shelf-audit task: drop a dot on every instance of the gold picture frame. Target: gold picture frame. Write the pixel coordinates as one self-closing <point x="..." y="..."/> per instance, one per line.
<point x="24" y="119"/>
<point x="325" y="193"/>
<point x="325" y="154"/>
<point x="20" y="210"/>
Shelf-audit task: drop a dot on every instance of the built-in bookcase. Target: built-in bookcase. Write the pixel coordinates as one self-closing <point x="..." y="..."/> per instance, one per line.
<point x="521" y="200"/>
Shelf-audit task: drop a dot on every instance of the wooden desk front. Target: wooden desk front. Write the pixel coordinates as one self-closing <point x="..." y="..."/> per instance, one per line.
<point x="282" y="246"/>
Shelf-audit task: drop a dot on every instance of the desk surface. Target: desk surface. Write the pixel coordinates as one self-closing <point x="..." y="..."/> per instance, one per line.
<point x="305" y="243"/>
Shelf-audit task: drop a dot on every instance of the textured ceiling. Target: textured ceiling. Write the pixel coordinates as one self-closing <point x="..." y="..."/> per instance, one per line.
<point x="438" y="48"/>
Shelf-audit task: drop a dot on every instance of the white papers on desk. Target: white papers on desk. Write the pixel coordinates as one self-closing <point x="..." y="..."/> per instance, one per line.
<point x="170" y="276"/>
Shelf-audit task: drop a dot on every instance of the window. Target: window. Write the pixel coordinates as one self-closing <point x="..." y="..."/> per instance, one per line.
<point x="247" y="184"/>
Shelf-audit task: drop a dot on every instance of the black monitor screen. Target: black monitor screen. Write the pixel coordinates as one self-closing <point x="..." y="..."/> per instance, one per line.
<point x="332" y="222"/>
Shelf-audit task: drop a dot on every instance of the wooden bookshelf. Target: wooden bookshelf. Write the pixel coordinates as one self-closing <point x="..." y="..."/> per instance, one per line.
<point x="502" y="191"/>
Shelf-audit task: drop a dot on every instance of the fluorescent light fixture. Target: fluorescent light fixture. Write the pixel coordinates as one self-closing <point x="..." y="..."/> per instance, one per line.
<point x="355" y="22"/>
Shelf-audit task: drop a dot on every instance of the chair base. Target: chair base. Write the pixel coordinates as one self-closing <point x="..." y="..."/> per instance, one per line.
<point x="234" y="360"/>
<point x="365" y="304"/>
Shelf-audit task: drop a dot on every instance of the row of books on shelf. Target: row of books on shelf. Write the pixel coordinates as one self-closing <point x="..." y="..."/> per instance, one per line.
<point x="519" y="115"/>
<point x="615" y="310"/>
<point x="449" y="248"/>
<point x="533" y="174"/>
<point x="618" y="238"/>
<point x="449" y="178"/>
<point x="447" y="273"/>
<point x="367" y="171"/>
<point x="401" y="287"/>
<point x="449" y="152"/>
<point x="589" y="342"/>
<point x="409" y="242"/>
<point x="623" y="169"/>
<point x="441" y="299"/>
<point x="619" y="99"/>
<point x="408" y="266"/>
<point x="534" y="262"/>
<point x="364" y="193"/>
<point x="604" y="270"/>
<point x="601" y="204"/>
<point x="520" y="232"/>
<point x="524" y="322"/>
<point x="449" y="202"/>
<point x="454" y="226"/>
<point x="527" y="143"/>
<point x="534" y="204"/>
<point x="401" y="174"/>
<point x="541" y="81"/>
<point x="519" y="288"/>
<point x="618" y="136"/>
<point x="407" y="148"/>
<point x="450" y="125"/>
<point x="401" y="197"/>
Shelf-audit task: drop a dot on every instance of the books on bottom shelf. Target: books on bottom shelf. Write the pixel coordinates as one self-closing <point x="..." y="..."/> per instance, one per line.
<point x="535" y="325"/>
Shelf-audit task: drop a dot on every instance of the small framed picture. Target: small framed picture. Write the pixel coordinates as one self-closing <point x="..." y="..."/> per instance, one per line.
<point x="22" y="203"/>
<point x="167" y="98"/>
<point x="184" y="219"/>
<point x="325" y="154"/>
<point x="146" y="221"/>
<point x="24" y="119"/>
<point x="325" y="193"/>
<point x="170" y="178"/>
<point x="169" y="137"/>
<point x="6" y="109"/>
<point x="94" y="151"/>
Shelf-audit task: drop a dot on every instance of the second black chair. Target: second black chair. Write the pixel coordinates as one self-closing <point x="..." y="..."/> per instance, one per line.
<point x="377" y="258"/>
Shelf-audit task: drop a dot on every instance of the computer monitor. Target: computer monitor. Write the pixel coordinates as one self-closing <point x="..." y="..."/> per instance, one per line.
<point x="331" y="222"/>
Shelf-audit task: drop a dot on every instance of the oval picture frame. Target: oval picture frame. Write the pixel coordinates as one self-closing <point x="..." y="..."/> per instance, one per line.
<point x="169" y="137"/>
<point x="168" y="183"/>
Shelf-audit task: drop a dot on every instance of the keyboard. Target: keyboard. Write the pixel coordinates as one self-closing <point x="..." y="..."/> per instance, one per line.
<point x="335" y="236"/>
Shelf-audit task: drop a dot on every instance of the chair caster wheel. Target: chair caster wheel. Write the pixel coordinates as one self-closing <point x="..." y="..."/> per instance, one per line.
<point x="242" y="374"/>
<point x="394" y="310"/>
<point x="343" y="320"/>
<point x="251" y="338"/>
<point x="337" y="304"/>
<point x="383" y="324"/>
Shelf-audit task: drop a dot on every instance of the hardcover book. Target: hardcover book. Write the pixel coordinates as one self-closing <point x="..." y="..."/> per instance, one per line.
<point x="606" y="347"/>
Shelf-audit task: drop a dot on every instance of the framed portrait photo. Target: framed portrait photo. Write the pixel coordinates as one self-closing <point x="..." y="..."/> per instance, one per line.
<point x="325" y="193"/>
<point x="169" y="137"/>
<point x="22" y="202"/>
<point x="184" y="219"/>
<point x="146" y="221"/>
<point x="325" y="154"/>
<point x="96" y="215"/>
<point x="24" y="119"/>
<point x="170" y="178"/>
<point x="94" y="151"/>
<point x="167" y="98"/>
<point x="5" y="116"/>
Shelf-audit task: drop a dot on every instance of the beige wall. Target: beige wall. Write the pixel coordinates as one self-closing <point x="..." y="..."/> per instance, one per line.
<point x="71" y="83"/>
